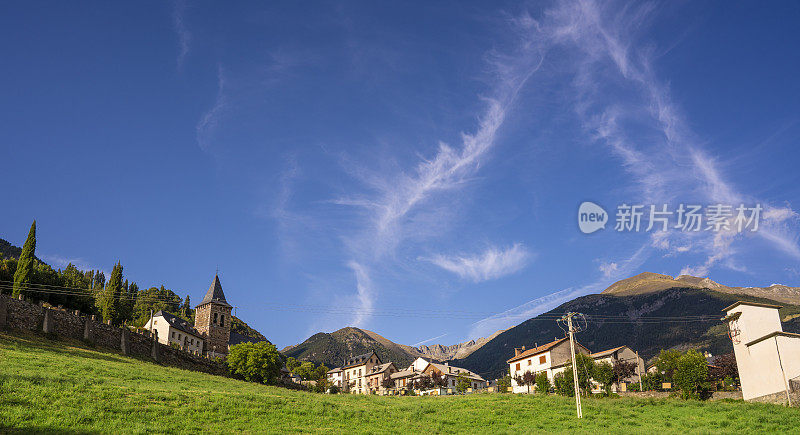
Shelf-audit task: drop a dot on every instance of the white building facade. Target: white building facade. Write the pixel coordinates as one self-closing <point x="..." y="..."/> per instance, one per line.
<point x="768" y="359"/>
<point x="172" y="330"/>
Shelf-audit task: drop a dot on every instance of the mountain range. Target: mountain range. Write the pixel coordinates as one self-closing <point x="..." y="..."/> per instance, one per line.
<point x="652" y="312"/>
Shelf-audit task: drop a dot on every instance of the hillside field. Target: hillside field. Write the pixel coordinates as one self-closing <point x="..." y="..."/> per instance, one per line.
<point x="59" y="386"/>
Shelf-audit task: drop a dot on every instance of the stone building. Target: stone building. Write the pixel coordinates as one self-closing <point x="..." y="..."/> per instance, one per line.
<point x="172" y="330"/>
<point x="213" y="320"/>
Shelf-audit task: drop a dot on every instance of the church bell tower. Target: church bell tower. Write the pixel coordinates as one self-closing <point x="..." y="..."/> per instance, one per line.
<point x="213" y="320"/>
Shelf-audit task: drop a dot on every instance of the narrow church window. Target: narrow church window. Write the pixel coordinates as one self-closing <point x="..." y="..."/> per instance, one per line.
<point x="221" y="320"/>
<point x="215" y="318"/>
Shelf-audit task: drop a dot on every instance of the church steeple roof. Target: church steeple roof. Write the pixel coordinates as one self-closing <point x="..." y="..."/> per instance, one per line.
<point x="214" y="294"/>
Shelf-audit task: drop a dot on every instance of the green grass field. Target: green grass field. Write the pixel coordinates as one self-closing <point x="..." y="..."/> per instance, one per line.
<point x="67" y="387"/>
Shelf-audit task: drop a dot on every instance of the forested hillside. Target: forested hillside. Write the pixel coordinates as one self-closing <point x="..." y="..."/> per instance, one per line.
<point x="639" y="327"/>
<point x="114" y="299"/>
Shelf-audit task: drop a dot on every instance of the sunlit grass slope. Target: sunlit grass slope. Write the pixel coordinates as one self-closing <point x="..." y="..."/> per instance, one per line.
<point x="67" y="387"/>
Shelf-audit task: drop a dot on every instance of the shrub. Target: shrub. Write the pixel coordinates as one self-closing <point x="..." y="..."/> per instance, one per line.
<point x="462" y="383"/>
<point x="542" y="383"/>
<point x="603" y="373"/>
<point x="255" y="362"/>
<point x="564" y="384"/>
<point x="691" y="375"/>
<point x="503" y="383"/>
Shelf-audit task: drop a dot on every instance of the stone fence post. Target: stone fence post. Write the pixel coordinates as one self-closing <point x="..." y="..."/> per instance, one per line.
<point x="154" y="352"/>
<point x="125" y="341"/>
<point x="47" y="325"/>
<point x="87" y="330"/>
<point x="3" y="312"/>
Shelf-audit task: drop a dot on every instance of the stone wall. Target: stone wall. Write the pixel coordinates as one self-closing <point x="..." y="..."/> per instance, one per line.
<point x="717" y="395"/>
<point x="779" y="398"/>
<point x="28" y="316"/>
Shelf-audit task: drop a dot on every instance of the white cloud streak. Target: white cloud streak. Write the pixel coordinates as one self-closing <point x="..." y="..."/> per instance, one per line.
<point x="399" y="200"/>
<point x="184" y="36"/>
<point x="492" y="264"/>
<point x="209" y="122"/>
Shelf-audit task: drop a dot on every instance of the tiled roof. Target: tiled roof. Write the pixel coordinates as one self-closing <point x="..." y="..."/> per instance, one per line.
<point x="455" y="371"/>
<point x="537" y="350"/>
<point x="178" y="323"/>
<point x="403" y="374"/>
<point x="605" y="352"/>
<point x="360" y="359"/>
<point x="380" y="368"/>
<point x="215" y="294"/>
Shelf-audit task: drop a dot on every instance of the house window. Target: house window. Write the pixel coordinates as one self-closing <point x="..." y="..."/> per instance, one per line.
<point x="530" y="362"/>
<point x="173" y="334"/>
<point x="542" y="359"/>
<point x="517" y="366"/>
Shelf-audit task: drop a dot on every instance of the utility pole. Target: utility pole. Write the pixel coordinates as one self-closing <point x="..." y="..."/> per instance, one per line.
<point x="639" y="372"/>
<point x="151" y="322"/>
<point x="574" y="364"/>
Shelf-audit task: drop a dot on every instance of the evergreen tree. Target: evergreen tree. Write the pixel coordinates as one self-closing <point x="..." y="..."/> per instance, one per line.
<point x="186" y="308"/>
<point x="109" y="301"/>
<point x="24" y="274"/>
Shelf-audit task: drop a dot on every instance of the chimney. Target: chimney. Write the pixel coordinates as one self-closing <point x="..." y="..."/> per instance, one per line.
<point x="446" y="363"/>
<point x="518" y="350"/>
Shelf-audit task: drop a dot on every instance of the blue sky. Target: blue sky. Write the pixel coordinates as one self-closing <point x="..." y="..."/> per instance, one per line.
<point x="413" y="169"/>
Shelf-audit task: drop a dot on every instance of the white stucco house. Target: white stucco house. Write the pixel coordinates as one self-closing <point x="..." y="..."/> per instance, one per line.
<point x="551" y="358"/>
<point x="768" y="359"/>
<point x="170" y="329"/>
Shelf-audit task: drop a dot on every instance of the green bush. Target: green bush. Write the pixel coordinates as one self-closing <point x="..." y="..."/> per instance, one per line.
<point x="564" y="384"/>
<point x="255" y="362"/>
<point x="691" y="375"/>
<point x="603" y="373"/>
<point x="542" y="383"/>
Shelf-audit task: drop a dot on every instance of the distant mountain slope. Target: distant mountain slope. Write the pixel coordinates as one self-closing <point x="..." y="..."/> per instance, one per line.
<point x="455" y="351"/>
<point x="238" y="325"/>
<point x="332" y="348"/>
<point x="648" y="337"/>
<point x="648" y="282"/>
<point x="7" y="250"/>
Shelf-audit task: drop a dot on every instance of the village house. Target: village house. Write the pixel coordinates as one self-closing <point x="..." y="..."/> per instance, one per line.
<point x="377" y="375"/>
<point x="335" y="377"/>
<point x="768" y="358"/>
<point x="355" y="370"/>
<point x="172" y="330"/>
<point x="452" y="373"/>
<point x="618" y="355"/>
<point x="551" y="358"/>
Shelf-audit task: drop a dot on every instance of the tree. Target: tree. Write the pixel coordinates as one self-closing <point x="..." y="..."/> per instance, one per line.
<point x="667" y="363"/>
<point x="306" y="371"/>
<point x="542" y="383"/>
<point x="255" y="362"/>
<point x="292" y="363"/>
<point x="321" y="372"/>
<point x="528" y="379"/>
<point x="691" y="374"/>
<point x="462" y="383"/>
<point x="623" y="370"/>
<point x="503" y="383"/>
<point x="387" y="382"/>
<point x="109" y="299"/>
<point x="603" y="373"/>
<point x="425" y="383"/>
<point x="186" y="308"/>
<point x="585" y="365"/>
<point x="564" y="383"/>
<point x="439" y="381"/>
<point x="24" y="273"/>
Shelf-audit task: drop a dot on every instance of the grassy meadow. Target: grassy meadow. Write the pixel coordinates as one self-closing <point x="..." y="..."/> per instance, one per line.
<point x="60" y="386"/>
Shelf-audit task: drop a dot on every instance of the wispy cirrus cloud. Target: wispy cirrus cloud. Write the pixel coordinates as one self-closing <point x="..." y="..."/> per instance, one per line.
<point x="491" y="264"/>
<point x="183" y="33"/>
<point x="208" y="123"/>
<point x="401" y="204"/>
<point x="622" y="268"/>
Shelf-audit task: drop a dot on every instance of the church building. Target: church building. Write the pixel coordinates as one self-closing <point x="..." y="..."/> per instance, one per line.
<point x="213" y="320"/>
